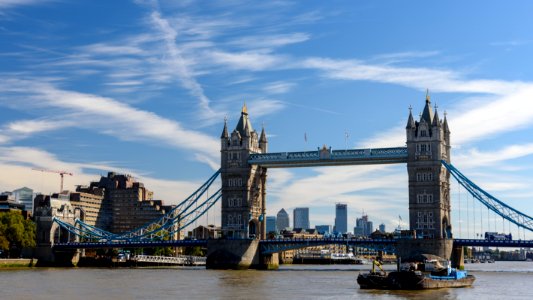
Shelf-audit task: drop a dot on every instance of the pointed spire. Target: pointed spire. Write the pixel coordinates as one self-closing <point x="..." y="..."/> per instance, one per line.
<point x="436" y="120"/>
<point x="445" y="123"/>
<point x="244" y="123"/>
<point x="225" y="134"/>
<point x="410" y="121"/>
<point x="427" y="115"/>
<point x="263" y="138"/>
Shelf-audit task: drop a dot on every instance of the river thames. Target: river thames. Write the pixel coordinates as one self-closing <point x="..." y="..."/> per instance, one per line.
<point x="501" y="280"/>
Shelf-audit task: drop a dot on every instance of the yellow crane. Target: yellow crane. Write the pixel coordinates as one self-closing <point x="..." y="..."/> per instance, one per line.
<point x="61" y="173"/>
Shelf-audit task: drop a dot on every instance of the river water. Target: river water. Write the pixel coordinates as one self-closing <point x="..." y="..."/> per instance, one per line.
<point x="501" y="280"/>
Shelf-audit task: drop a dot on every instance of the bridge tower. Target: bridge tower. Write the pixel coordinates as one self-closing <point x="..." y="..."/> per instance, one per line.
<point x="428" y="142"/>
<point x="243" y="185"/>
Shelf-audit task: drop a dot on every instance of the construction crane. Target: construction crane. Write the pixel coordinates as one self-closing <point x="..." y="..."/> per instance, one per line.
<point x="61" y="173"/>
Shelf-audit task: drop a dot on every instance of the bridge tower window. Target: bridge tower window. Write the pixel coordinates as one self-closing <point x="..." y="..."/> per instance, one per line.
<point x="424" y="198"/>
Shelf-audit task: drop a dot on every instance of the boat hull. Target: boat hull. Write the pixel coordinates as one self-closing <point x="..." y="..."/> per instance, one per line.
<point x="410" y="281"/>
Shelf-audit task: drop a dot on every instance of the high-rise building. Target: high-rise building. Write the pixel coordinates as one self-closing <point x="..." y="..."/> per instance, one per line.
<point x="341" y="218"/>
<point x="382" y="227"/>
<point x="282" y="220"/>
<point x="271" y="224"/>
<point x="323" y="229"/>
<point x="301" y="217"/>
<point x="363" y="227"/>
<point x="24" y="196"/>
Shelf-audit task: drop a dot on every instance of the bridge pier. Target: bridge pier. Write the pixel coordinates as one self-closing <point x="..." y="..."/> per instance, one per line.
<point x="238" y="254"/>
<point x="411" y="247"/>
<point x="458" y="258"/>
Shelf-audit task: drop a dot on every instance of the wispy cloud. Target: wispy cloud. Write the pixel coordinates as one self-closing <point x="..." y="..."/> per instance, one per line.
<point x="249" y="60"/>
<point x="262" y="107"/>
<point x="13" y="3"/>
<point x="278" y="87"/>
<point x="270" y="41"/>
<point x="111" y="117"/>
<point x="179" y="65"/>
<point x="17" y="164"/>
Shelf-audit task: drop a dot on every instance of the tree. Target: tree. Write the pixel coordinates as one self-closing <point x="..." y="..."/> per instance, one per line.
<point x="16" y="233"/>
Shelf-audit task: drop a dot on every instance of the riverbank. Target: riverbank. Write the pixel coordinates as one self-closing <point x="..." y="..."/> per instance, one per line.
<point x="8" y="263"/>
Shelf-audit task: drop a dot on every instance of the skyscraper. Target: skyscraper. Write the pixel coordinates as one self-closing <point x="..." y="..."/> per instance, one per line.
<point x="363" y="227"/>
<point x="382" y="227"/>
<point x="271" y="224"/>
<point x="301" y="217"/>
<point x="341" y="218"/>
<point x="282" y="220"/>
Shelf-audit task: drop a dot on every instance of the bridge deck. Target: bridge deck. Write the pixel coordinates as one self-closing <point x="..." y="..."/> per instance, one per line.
<point x="328" y="157"/>
<point x="273" y="246"/>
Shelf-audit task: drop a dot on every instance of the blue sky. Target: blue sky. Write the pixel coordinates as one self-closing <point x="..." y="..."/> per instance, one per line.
<point x="142" y="87"/>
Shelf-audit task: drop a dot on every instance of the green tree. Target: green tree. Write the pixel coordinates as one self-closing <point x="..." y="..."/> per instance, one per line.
<point x="16" y="233"/>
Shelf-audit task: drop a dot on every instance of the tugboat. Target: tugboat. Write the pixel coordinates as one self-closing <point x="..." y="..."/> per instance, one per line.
<point x="416" y="274"/>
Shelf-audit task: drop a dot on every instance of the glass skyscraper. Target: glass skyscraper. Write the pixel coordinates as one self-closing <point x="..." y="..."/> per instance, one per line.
<point x="301" y="217"/>
<point x="282" y="220"/>
<point x="271" y="224"/>
<point x="341" y="218"/>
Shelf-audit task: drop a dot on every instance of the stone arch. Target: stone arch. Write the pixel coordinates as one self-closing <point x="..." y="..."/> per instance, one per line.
<point x="446" y="228"/>
<point x="253" y="228"/>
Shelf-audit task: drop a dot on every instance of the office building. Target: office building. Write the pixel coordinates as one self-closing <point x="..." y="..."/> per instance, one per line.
<point x="382" y="227"/>
<point x="341" y="218"/>
<point x="282" y="220"/>
<point x="271" y="224"/>
<point x="363" y="226"/>
<point x="301" y="217"/>
<point x="24" y="196"/>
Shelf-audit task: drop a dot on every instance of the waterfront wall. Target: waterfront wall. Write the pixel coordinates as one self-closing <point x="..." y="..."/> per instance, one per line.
<point x="17" y="262"/>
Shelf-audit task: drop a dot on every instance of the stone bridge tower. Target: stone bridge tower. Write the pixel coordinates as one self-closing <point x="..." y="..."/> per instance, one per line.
<point x="243" y="185"/>
<point x="428" y="142"/>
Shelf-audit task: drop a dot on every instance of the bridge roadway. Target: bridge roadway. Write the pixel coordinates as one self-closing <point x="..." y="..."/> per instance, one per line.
<point x="328" y="157"/>
<point x="278" y="245"/>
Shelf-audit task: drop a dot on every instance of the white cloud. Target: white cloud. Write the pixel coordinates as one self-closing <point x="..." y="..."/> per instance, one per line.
<point x="112" y="117"/>
<point x="180" y="66"/>
<point x="278" y="87"/>
<point x="13" y="3"/>
<point x="249" y="60"/>
<point x="17" y="164"/>
<point x="465" y="158"/>
<point x="494" y="115"/>
<point x="262" y="107"/>
<point x="418" y="78"/>
<point x="270" y="41"/>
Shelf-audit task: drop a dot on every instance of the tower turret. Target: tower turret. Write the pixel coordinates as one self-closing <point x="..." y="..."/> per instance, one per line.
<point x="263" y="143"/>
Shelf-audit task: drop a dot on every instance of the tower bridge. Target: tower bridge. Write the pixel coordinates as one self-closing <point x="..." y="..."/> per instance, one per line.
<point x="245" y="161"/>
